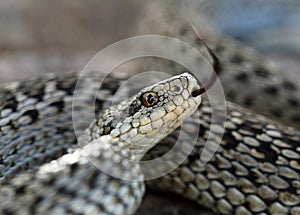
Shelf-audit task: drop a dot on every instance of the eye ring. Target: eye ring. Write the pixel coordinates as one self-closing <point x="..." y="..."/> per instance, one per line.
<point x="149" y="99"/>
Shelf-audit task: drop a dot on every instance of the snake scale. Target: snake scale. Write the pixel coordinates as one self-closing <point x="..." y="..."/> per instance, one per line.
<point x="255" y="170"/>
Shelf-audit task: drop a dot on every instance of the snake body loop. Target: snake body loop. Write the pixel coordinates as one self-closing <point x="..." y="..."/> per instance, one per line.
<point x="129" y="129"/>
<point x="256" y="169"/>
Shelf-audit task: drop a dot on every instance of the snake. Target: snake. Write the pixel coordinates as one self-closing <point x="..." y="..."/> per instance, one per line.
<point x="255" y="169"/>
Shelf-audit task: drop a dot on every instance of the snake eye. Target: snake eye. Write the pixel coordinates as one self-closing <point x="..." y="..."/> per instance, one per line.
<point x="149" y="99"/>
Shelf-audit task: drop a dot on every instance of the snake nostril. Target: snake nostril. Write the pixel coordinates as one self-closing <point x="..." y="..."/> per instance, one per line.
<point x="176" y="86"/>
<point x="176" y="89"/>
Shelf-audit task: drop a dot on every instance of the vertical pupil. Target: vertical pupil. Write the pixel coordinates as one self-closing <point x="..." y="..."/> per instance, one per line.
<point x="150" y="99"/>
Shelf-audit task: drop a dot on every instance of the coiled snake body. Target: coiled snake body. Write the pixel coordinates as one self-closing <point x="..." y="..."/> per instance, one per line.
<point x="255" y="170"/>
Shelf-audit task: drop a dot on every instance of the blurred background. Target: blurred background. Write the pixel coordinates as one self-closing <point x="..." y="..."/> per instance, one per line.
<point x="62" y="35"/>
<point x="41" y="36"/>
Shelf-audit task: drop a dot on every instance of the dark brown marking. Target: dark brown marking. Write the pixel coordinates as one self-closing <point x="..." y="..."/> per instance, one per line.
<point x="261" y="72"/>
<point x="289" y="85"/>
<point x="242" y="77"/>
<point x="293" y="102"/>
<point x="236" y="59"/>
<point x="271" y="90"/>
<point x="59" y="105"/>
<point x="34" y="114"/>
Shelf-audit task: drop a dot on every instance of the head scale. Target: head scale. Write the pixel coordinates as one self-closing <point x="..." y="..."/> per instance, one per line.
<point x="152" y="114"/>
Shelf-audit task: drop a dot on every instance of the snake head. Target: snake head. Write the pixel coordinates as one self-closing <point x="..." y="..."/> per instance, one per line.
<point x="153" y="113"/>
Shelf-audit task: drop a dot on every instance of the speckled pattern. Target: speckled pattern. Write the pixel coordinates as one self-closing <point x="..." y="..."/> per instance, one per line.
<point x="255" y="169"/>
<point x="70" y="184"/>
<point x="279" y="100"/>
